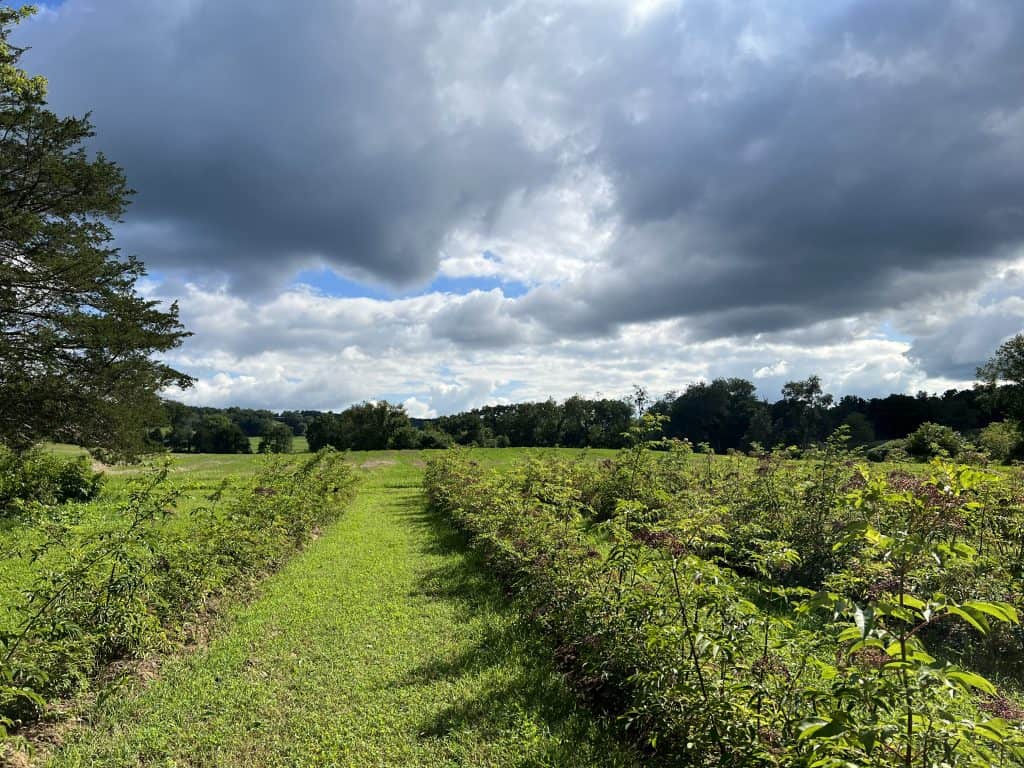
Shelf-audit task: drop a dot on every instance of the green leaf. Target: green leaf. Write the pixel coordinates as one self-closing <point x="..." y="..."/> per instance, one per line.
<point x="911" y="602"/>
<point x="850" y="633"/>
<point x="817" y="728"/>
<point x="1001" y="611"/>
<point x="864" y="619"/>
<point x="995" y="729"/>
<point x="975" y="619"/>
<point x="972" y="680"/>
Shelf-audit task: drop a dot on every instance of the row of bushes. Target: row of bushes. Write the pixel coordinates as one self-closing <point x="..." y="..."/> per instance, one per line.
<point x="119" y="578"/>
<point x="999" y="442"/>
<point x="679" y="606"/>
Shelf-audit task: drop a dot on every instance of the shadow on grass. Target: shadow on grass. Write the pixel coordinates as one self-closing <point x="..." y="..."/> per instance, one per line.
<point x="517" y="694"/>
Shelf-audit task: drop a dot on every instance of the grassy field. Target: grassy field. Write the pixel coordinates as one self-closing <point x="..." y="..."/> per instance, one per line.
<point x="385" y="642"/>
<point x="382" y="644"/>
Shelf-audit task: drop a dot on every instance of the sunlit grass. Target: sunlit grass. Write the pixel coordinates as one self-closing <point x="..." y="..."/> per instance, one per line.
<point x="383" y="644"/>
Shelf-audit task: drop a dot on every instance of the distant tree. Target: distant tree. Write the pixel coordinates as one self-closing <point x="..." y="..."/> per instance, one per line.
<point x="404" y="437"/>
<point x="760" y="427"/>
<point x="277" y="438"/>
<point x="219" y="434"/>
<point x="803" y="412"/>
<point x="1002" y="440"/>
<point x="1002" y="377"/>
<point x="861" y="431"/>
<point x="297" y="420"/>
<point x="931" y="440"/>
<point x="251" y="421"/>
<point x="323" y="430"/>
<point x="77" y="343"/>
<point x="363" y="427"/>
<point x="897" y="415"/>
<point x="434" y="438"/>
<point x="717" y="413"/>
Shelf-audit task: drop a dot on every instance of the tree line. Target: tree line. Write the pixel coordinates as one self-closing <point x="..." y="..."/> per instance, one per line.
<point x="727" y="414"/>
<point x="721" y="415"/>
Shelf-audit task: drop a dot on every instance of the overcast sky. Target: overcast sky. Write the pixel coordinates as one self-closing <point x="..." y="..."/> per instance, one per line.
<point x="452" y="203"/>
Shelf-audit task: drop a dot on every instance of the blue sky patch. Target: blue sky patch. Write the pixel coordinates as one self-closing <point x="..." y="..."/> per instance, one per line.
<point x="330" y="283"/>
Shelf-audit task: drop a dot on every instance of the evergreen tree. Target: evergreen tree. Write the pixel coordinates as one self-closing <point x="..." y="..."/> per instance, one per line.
<point x="76" y="340"/>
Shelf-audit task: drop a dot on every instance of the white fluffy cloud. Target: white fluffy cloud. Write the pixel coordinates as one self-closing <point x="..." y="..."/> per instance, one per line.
<point x="304" y="349"/>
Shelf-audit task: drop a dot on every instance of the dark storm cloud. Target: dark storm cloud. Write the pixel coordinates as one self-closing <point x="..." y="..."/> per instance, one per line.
<point x="772" y="165"/>
<point x="261" y="135"/>
<point x="784" y="169"/>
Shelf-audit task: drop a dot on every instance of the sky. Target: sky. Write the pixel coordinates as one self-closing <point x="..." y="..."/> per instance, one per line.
<point x="460" y="202"/>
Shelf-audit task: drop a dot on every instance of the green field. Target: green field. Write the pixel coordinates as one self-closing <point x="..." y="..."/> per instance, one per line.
<point x="384" y="642"/>
<point x="392" y="637"/>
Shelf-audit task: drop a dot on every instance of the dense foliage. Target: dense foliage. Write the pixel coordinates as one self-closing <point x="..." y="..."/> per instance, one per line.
<point x="768" y="612"/>
<point x="364" y="427"/>
<point x="575" y="423"/>
<point x="29" y="478"/>
<point x="77" y="343"/>
<point x="1002" y="377"/>
<point x="726" y="414"/>
<point x="276" y="438"/>
<point x="195" y="429"/>
<point x="115" y="578"/>
<point x="722" y="414"/>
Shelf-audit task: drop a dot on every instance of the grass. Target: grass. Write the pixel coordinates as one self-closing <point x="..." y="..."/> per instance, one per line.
<point x="383" y="644"/>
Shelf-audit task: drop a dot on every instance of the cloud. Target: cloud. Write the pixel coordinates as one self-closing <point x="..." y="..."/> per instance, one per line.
<point x="260" y="141"/>
<point x="318" y="357"/>
<point x="779" y="368"/>
<point x="856" y="160"/>
<point x="955" y="337"/>
<point x="685" y="189"/>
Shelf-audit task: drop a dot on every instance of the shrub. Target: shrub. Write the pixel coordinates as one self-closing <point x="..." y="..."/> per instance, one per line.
<point x="1002" y="440"/>
<point x="687" y="612"/>
<point x="120" y="588"/>
<point x="433" y="438"/>
<point x="39" y="477"/>
<point x="890" y="450"/>
<point x="931" y="440"/>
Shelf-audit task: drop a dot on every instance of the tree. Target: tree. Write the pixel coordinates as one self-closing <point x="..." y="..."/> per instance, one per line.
<point x="1002" y="377"/>
<point x="363" y="427"/>
<point x="803" y="411"/>
<point x="1002" y="440"/>
<point x="219" y="434"/>
<point x="276" y="438"/>
<point x="76" y="340"/>
<point x="718" y="413"/>
<point x="861" y="431"/>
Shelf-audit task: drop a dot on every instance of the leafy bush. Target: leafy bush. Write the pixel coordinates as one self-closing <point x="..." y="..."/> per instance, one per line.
<point x="890" y="450"/>
<point x="39" y="477"/>
<point x="768" y="612"/>
<point x="119" y="589"/>
<point x="433" y="438"/>
<point x="1002" y="440"/>
<point x="931" y="440"/>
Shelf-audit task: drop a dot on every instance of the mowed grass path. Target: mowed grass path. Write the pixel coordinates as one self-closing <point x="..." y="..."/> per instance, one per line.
<point x="383" y="644"/>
